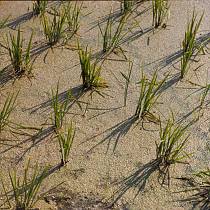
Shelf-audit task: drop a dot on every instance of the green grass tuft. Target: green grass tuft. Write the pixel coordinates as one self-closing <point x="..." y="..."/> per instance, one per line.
<point x="127" y="5"/>
<point x="21" y="61"/>
<point x="25" y="190"/>
<point x="39" y="7"/>
<point x="171" y="149"/>
<point x="59" y="109"/>
<point x="148" y="97"/>
<point x="65" y="143"/>
<point x="73" y="13"/>
<point x="112" y="38"/>
<point x="54" y="30"/>
<point x="91" y="72"/>
<point x="159" y="11"/>
<point x="6" y="111"/>
<point x="189" y="44"/>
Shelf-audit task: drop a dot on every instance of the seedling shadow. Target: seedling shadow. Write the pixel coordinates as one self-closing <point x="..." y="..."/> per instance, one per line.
<point x="6" y="75"/>
<point x="138" y="179"/>
<point x="77" y="92"/>
<point x="174" y="80"/>
<point x="199" y="199"/>
<point x="34" y="139"/>
<point x="20" y="20"/>
<point x="116" y="132"/>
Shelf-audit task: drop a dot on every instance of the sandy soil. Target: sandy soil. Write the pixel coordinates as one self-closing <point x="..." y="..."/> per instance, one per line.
<point x="108" y="146"/>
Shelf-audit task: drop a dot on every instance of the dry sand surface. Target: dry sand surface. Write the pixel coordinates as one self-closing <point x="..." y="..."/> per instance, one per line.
<point x="108" y="146"/>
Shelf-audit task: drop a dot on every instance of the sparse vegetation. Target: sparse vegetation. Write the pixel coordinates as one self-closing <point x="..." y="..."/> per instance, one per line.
<point x="171" y="149"/>
<point x="189" y="44"/>
<point x="39" y="7"/>
<point x="160" y="12"/>
<point x="65" y="143"/>
<point x="73" y="13"/>
<point x="6" y="110"/>
<point x="92" y="46"/>
<point x="21" y="61"/>
<point x="149" y="93"/>
<point x="25" y="190"/>
<point x="54" y="30"/>
<point x="127" y="5"/>
<point x="59" y="109"/>
<point x="112" y="38"/>
<point x="91" y="72"/>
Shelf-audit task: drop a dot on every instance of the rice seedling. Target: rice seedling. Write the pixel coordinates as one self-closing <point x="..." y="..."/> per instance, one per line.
<point x="21" y="61"/>
<point x="159" y="11"/>
<point x="171" y="149"/>
<point x="59" y="109"/>
<point x="39" y="7"/>
<point x="6" y="110"/>
<point x="127" y="81"/>
<point x="91" y="77"/>
<point x="54" y="30"/>
<point x="25" y="190"/>
<point x="73" y="13"/>
<point x="149" y="93"/>
<point x="113" y="38"/>
<point x="189" y="44"/>
<point x="65" y="143"/>
<point x="127" y="5"/>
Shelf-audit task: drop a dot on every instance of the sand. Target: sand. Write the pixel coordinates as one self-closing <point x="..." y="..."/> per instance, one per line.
<point x="108" y="146"/>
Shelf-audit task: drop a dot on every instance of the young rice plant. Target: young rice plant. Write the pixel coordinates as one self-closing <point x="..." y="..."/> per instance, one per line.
<point x="7" y="109"/>
<point x="39" y="7"/>
<point x="54" y="30"/>
<point x="21" y="61"/>
<point x="25" y="190"/>
<point x="73" y="13"/>
<point x="112" y="38"/>
<point x="65" y="143"/>
<point x="91" y="77"/>
<point x="189" y="43"/>
<point x="171" y="149"/>
<point x="159" y="11"/>
<point x="149" y="93"/>
<point x="127" y="5"/>
<point x="59" y="109"/>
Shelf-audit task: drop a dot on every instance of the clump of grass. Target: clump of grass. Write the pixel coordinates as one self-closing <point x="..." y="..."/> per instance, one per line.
<point x="54" y="30"/>
<point x="127" y="5"/>
<point x="112" y="38"/>
<point x="149" y="93"/>
<point x="21" y="61"/>
<point x="91" y="72"/>
<point x="25" y="190"/>
<point x="39" y="7"/>
<point x="73" y="13"/>
<point x="65" y="143"/>
<point x="159" y="11"/>
<point x="59" y="109"/>
<point x="171" y="149"/>
<point x="189" y="43"/>
<point x="6" y="111"/>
